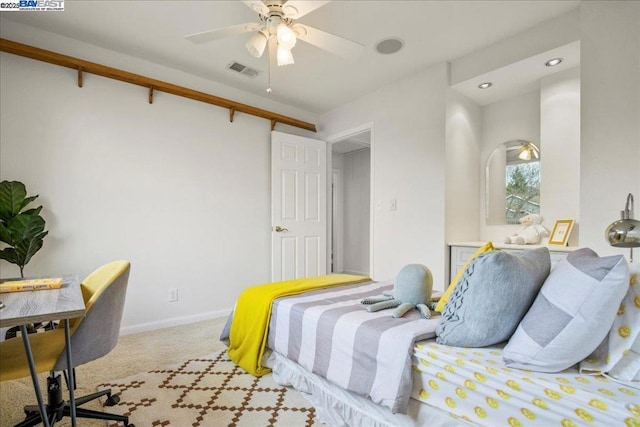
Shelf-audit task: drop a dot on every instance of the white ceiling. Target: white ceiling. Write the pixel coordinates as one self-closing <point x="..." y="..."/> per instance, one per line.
<point x="353" y="143"/>
<point x="433" y="31"/>
<point x="519" y="77"/>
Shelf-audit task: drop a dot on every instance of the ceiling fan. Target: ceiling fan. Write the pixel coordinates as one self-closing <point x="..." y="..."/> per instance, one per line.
<point x="277" y="22"/>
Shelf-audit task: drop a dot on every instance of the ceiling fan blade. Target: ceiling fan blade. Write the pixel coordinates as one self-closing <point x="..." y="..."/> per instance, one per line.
<point x="295" y="9"/>
<point x="257" y="6"/>
<point x="337" y="45"/>
<point x="207" y="36"/>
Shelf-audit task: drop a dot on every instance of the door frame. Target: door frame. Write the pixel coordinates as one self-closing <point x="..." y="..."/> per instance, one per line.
<point x="335" y="227"/>
<point x="331" y="139"/>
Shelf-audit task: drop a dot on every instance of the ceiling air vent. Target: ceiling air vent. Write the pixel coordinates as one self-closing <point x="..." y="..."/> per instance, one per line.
<point x="242" y="69"/>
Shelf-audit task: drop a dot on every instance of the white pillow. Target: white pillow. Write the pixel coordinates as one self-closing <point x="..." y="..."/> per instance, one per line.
<point x="619" y="353"/>
<point x="572" y="313"/>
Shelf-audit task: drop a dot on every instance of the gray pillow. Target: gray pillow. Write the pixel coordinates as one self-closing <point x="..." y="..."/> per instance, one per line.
<point x="492" y="297"/>
<point x="572" y="314"/>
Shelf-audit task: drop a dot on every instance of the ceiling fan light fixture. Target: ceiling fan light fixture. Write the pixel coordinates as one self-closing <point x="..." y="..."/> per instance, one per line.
<point x="290" y="11"/>
<point x="286" y="36"/>
<point x="525" y="154"/>
<point x="256" y="44"/>
<point x="284" y="56"/>
<point x="528" y="152"/>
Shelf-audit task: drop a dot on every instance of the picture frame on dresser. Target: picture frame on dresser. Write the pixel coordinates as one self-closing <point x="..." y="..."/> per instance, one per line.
<point x="561" y="232"/>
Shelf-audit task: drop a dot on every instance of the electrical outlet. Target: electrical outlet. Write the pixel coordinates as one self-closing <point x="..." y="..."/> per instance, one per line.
<point x="173" y="294"/>
<point x="393" y="206"/>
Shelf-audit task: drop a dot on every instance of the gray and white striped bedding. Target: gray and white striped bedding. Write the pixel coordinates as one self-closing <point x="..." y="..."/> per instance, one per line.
<point x="329" y="333"/>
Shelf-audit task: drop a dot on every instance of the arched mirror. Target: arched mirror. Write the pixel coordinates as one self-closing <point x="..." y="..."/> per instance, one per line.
<point x="512" y="182"/>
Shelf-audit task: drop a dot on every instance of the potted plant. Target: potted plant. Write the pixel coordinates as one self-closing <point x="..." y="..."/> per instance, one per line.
<point x="21" y="230"/>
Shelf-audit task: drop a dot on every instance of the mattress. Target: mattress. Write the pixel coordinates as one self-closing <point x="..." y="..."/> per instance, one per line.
<point x="338" y="407"/>
<point x="330" y="333"/>
<point x="447" y="385"/>
<point x="475" y="385"/>
<point x="461" y="386"/>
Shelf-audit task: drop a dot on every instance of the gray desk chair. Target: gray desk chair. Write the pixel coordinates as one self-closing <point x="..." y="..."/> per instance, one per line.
<point x="92" y="337"/>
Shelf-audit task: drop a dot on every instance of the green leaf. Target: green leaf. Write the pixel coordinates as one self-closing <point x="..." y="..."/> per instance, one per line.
<point x="5" y="236"/>
<point x="12" y="196"/>
<point x="34" y="211"/>
<point x="25" y="227"/>
<point x="9" y="254"/>
<point x="26" y="249"/>
<point x="28" y="200"/>
<point x="26" y="235"/>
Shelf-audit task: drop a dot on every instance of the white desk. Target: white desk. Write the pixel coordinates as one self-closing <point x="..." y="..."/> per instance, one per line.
<point x="22" y="308"/>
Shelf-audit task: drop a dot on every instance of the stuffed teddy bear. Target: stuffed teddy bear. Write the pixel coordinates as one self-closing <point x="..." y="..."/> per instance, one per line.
<point x="532" y="232"/>
<point x="412" y="289"/>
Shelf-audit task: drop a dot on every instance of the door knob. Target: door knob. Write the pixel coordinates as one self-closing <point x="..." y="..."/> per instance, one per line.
<point x="279" y="229"/>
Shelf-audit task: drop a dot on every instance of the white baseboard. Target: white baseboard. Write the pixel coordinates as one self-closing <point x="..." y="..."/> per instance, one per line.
<point x="175" y="321"/>
<point x="357" y="273"/>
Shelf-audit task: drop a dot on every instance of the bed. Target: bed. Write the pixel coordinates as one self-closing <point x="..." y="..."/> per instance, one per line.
<point x="368" y="369"/>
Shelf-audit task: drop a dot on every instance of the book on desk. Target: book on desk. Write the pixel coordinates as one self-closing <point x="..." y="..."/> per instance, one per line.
<point x="31" y="285"/>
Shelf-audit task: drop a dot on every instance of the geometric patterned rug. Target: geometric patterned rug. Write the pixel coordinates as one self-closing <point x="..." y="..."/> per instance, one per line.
<point x="207" y="392"/>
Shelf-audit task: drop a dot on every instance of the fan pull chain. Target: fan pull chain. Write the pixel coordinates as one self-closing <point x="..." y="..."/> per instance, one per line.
<point x="269" y="65"/>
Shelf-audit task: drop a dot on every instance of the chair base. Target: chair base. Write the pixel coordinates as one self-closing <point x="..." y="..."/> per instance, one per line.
<point x="57" y="408"/>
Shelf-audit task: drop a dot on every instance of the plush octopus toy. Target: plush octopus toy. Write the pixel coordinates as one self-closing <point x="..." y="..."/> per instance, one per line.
<point x="412" y="289"/>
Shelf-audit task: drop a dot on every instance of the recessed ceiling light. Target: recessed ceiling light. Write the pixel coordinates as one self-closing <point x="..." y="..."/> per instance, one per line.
<point x="485" y="85"/>
<point x="389" y="45"/>
<point x="553" y="62"/>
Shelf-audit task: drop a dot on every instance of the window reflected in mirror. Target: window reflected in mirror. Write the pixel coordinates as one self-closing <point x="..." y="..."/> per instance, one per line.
<point x="513" y="182"/>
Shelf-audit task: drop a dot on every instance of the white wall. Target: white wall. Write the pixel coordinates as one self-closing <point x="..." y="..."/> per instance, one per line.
<point x="610" y="118"/>
<point x="174" y="187"/>
<point x="513" y="118"/>
<point x="171" y="187"/>
<point x="21" y="33"/>
<point x="407" y="152"/>
<point x="550" y="118"/>
<point x="462" y="198"/>
<point x="560" y="134"/>
<point x="356" y="179"/>
<point x="337" y="214"/>
<point x="604" y="151"/>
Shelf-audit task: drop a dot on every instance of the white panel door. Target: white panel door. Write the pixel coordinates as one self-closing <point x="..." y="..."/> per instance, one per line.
<point x="298" y="207"/>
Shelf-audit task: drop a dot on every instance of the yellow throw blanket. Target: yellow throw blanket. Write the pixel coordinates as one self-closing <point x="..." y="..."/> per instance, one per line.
<point x="250" y="325"/>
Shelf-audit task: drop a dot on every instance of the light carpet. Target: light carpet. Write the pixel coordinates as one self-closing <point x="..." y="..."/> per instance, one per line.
<point x="209" y="391"/>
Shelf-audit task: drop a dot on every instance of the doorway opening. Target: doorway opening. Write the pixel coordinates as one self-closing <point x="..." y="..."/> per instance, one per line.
<point x="350" y="195"/>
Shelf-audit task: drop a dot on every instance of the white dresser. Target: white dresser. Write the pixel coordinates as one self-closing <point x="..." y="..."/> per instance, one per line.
<point x="460" y="252"/>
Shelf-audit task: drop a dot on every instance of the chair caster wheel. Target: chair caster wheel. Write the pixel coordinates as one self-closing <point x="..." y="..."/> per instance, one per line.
<point x="130" y="425"/>
<point x="112" y="400"/>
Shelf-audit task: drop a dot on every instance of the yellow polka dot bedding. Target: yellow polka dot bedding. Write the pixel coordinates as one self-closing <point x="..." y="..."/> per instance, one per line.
<point x="619" y="354"/>
<point x="474" y="385"/>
